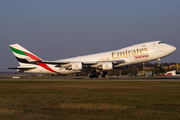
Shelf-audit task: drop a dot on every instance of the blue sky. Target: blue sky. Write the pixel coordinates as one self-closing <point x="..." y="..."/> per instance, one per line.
<point x="56" y="29"/>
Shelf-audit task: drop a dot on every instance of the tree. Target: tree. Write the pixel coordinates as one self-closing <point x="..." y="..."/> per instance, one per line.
<point x="159" y="70"/>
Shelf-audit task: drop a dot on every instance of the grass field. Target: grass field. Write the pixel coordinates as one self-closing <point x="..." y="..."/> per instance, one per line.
<point x="89" y="100"/>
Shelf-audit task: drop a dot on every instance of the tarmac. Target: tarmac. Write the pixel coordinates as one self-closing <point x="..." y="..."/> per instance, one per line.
<point x="37" y="77"/>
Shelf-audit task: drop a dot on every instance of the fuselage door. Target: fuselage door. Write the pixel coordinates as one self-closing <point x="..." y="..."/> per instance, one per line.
<point x="154" y="44"/>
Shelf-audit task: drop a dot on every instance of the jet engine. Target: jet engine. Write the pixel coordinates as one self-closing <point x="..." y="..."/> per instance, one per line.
<point x="77" y="66"/>
<point x="107" y="66"/>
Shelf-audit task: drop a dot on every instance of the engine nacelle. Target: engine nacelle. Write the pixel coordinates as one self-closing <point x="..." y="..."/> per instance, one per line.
<point x="77" y="66"/>
<point x="107" y="66"/>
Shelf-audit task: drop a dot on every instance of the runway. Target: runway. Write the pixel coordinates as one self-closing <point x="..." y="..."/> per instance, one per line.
<point x="95" y="79"/>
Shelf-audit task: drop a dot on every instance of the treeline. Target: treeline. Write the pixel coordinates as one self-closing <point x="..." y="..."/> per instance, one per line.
<point x="154" y="68"/>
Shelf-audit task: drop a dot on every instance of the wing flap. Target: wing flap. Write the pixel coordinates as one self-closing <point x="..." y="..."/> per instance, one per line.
<point x="114" y="61"/>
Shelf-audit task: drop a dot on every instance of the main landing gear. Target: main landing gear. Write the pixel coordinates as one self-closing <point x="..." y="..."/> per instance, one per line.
<point x="95" y="74"/>
<point x="104" y="74"/>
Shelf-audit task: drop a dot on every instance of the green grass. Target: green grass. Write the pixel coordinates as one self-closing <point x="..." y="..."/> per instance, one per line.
<point x="89" y="100"/>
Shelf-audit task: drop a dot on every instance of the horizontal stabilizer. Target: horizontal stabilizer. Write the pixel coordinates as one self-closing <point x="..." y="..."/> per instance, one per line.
<point x="21" y="67"/>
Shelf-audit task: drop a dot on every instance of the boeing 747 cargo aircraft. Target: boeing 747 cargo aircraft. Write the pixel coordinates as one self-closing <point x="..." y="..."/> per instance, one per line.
<point x="94" y="64"/>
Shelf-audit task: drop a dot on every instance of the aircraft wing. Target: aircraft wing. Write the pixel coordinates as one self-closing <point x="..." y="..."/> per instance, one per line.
<point x="55" y="62"/>
<point x="65" y="64"/>
<point x="87" y="63"/>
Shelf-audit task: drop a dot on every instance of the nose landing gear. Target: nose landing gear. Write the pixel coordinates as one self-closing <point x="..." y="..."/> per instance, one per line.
<point x="159" y="62"/>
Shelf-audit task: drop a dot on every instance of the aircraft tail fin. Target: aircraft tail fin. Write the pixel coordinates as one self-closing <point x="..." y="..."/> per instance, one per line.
<point x="23" y="56"/>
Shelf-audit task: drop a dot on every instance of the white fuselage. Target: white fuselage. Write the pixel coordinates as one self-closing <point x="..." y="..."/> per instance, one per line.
<point x="131" y="55"/>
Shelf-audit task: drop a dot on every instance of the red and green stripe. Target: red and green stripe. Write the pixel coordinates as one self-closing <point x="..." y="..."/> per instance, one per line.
<point x="18" y="51"/>
<point x="24" y="53"/>
<point x="32" y="57"/>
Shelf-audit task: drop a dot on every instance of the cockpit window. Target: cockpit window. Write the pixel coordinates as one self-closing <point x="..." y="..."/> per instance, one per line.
<point x="161" y="42"/>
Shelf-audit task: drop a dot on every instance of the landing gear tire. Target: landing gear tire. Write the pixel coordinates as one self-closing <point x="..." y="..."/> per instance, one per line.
<point x="94" y="75"/>
<point x="104" y="74"/>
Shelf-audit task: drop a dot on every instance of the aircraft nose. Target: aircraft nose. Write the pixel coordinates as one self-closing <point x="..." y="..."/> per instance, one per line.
<point x="173" y="48"/>
<point x="170" y="49"/>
